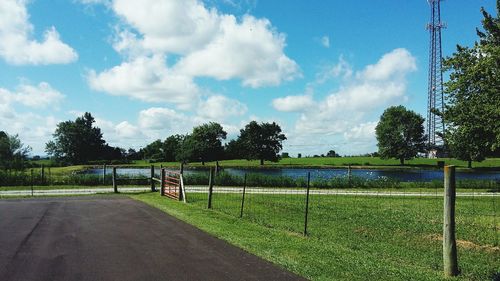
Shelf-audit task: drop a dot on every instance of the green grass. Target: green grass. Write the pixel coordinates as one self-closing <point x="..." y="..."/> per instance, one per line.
<point x="333" y="162"/>
<point x="350" y="238"/>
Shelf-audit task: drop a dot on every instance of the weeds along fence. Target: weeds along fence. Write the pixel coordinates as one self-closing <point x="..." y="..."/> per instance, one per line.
<point x="408" y="218"/>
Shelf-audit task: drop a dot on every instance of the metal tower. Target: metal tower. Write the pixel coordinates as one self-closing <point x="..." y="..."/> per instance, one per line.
<point x="435" y="124"/>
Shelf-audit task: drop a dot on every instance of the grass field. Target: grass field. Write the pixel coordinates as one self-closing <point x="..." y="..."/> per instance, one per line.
<point x="350" y="238"/>
<point x="337" y="161"/>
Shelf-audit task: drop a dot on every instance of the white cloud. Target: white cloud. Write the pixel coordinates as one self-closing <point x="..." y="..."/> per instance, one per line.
<point x="16" y="43"/>
<point x="392" y="65"/>
<point x="325" y="41"/>
<point x="249" y="50"/>
<point x="159" y="118"/>
<point x="345" y="116"/>
<point x="147" y="79"/>
<point x="218" y="108"/>
<point x="204" y="43"/>
<point x="293" y="103"/>
<point x="39" y="96"/>
<point x="364" y="132"/>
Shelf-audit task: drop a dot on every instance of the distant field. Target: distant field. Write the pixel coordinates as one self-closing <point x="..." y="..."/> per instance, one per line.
<point x="339" y="161"/>
<point x="373" y="162"/>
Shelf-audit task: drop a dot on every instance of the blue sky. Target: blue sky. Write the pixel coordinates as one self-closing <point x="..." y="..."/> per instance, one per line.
<point x="323" y="70"/>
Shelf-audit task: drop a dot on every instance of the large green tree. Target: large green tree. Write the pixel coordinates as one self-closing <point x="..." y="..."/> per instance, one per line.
<point x="400" y="134"/>
<point x="472" y="112"/>
<point x="77" y="142"/>
<point x="203" y="144"/>
<point x="13" y="153"/>
<point x="261" y="141"/>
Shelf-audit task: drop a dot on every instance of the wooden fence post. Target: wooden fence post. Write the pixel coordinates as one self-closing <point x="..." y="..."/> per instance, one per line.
<point x="31" y="182"/>
<point x="153" y="189"/>
<point x="450" y="261"/>
<point x="307" y="202"/>
<point x="162" y="184"/>
<point x="104" y="174"/>
<point x="42" y="174"/>
<point x="115" y="184"/>
<point x="243" y="197"/>
<point x="210" y="187"/>
<point x="181" y="184"/>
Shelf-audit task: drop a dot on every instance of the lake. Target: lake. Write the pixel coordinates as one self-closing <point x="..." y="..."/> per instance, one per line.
<point x="406" y="175"/>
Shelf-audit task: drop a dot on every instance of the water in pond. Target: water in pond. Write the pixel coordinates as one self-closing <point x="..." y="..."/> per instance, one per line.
<point x="400" y="175"/>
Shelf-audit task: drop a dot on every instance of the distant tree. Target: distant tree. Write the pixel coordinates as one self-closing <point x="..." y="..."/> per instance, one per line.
<point x="472" y="113"/>
<point x="154" y="151"/>
<point x="400" y="134"/>
<point x="77" y="141"/>
<point x="262" y="141"/>
<point x="132" y="154"/>
<point x="332" y="153"/>
<point x="299" y="155"/>
<point x="171" y="146"/>
<point x="285" y="155"/>
<point x="204" y="143"/>
<point x="234" y="150"/>
<point x="13" y="153"/>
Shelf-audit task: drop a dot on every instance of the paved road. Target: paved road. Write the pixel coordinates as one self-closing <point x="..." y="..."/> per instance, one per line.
<point x="114" y="238"/>
<point x="253" y="190"/>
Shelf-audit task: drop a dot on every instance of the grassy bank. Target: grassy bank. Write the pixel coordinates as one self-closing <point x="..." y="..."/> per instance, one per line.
<point x="350" y="238"/>
<point x="329" y="162"/>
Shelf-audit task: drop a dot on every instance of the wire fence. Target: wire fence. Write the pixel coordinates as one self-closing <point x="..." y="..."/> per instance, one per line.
<point x="409" y="218"/>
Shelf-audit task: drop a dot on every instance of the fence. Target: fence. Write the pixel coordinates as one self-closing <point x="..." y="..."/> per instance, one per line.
<point x="411" y="218"/>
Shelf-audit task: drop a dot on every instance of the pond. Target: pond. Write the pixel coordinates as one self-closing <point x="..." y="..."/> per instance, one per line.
<point x="406" y="175"/>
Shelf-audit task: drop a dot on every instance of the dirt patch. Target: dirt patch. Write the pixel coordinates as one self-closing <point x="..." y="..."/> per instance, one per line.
<point x="466" y="244"/>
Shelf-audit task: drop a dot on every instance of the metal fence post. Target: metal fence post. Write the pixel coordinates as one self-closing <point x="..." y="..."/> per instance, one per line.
<point x="210" y="187"/>
<point x="115" y="184"/>
<point x="307" y="202"/>
<point x="243" y="197"/>
<point x="153" y="189"/>
<point x="450" y="260"/>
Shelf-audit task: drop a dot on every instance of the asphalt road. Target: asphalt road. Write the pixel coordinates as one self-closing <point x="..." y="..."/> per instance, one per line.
<point x="115" y="238"/>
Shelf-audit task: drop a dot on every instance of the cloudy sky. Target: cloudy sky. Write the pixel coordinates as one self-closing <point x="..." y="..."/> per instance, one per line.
<point x="323" y="70"/>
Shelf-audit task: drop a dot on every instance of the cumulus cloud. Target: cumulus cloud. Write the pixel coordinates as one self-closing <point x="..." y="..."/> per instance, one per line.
<point x="376" y="86"/>
<point x="147" y="79"/>
<point x="204" y="43"/>
<point x="293" y="103"/>
<point x="17" y="45"/>
<point x="39" y="96"/>
<point x="249" y="50"/>
<point x="218" y="108"/>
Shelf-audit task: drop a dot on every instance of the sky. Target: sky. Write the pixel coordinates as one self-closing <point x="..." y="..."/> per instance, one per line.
<point x="323" y="70"/>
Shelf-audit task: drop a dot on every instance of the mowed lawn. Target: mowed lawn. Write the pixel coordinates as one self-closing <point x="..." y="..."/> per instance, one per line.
<point x="350" y="238"/>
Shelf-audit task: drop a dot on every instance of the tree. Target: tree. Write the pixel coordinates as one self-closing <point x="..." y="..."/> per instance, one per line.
<point x="332" y="153"/>
<point x="234" y="150"/>
<point x="171" y="146"/>
<point x="204" y="143"/>
<point x="77" y="141"/>
<point x="473" y="100"/>
<point x="13" y="153"/>
<point x="154" y="151"/>
<point x="262" y="141"/>
<point x="400" y="134"/>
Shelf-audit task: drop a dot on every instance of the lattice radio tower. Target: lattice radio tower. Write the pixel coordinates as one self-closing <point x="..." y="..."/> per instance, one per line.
<point x="435" y="124"/>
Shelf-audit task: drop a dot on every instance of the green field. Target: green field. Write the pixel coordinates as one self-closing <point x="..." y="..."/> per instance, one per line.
<point x="350" y="238"/>
<point x="321" y="162"/>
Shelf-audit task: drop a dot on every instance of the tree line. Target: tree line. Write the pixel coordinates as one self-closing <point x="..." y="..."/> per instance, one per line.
<point x="81" y="142"/>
